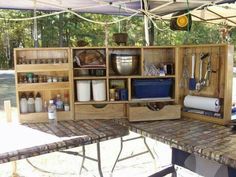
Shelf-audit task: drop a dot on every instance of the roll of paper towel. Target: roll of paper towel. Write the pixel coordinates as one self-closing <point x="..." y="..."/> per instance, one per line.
<point x="204" y="103"/>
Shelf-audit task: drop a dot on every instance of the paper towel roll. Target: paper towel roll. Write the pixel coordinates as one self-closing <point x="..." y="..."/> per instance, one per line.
<point x="204" y="103"/>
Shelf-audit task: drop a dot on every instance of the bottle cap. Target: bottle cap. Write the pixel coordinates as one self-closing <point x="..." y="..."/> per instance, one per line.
<point x="51" y="101"/>
<point x="38" y="95"/>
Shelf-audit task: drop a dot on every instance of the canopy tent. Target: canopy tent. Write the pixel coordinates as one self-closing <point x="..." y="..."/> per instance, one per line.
<point x="214" y="11"/>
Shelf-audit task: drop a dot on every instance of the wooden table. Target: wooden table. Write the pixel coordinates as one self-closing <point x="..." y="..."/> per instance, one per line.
<point x="28" y="140"/>
<point x="208" y="140"/>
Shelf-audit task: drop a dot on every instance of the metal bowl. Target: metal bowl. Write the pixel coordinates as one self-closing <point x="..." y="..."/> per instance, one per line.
<point x="125" y="64"/>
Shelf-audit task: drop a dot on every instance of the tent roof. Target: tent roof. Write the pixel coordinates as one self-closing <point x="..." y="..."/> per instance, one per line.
<point x="213" y="11"/>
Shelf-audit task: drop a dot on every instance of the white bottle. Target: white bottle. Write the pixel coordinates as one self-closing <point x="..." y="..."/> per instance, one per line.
<point x="38" y="103"/>
<point x="31" y="103"/>
<point x="52" y="113"/>
<point x="23" y="104"/>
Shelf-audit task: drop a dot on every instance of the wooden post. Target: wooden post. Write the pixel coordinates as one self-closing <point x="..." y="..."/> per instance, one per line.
<point x="7" y="108"/>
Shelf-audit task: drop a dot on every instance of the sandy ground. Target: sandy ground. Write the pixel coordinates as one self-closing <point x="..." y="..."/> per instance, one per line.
<point x="63" y="165"/>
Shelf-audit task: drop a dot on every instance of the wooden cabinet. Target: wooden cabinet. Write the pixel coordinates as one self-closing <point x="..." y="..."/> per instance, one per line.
<point x="47" y="71"/>
<point x="159" y="81"/>
<point x="120" y="87"/>
<point x="217" y="83"/>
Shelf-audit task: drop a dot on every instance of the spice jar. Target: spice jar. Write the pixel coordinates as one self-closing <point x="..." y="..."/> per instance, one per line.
<point x="112" y="94"/>
<point x="30" y="77"/>
<point x="35" y="78"/>
<point x="49" y="79"/>
<point x="54" y="79"/>
<point x="40" y="78"/>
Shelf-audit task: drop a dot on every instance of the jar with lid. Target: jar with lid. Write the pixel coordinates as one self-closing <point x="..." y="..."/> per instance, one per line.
<point x="38" y="103"/>
<point x="23" y="103"/>
<point x="30" y="77"/>
<point x="31" y="103"/>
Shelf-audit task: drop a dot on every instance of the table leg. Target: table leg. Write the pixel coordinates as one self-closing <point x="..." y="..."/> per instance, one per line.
<point x="99" y="159"/>
<point x="117" y="159"/>
<point x="83" y="159"/>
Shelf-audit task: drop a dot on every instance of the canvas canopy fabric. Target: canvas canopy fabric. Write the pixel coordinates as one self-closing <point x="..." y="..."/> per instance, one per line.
<point x="213" y="11"/>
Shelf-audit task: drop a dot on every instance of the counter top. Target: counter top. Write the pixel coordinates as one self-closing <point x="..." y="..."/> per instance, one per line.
<point x="28" y="140"/>
<point x="211" y="141"/>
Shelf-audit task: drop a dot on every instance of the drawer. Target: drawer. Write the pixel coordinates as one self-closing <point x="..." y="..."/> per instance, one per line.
<point x="143" y="113"/>
<point x="110" y="111"/>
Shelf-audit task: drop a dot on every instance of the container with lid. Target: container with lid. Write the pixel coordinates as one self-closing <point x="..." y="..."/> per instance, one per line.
<point x="31" y="103"/>
<point x="23" y="103"/>
<point x="38" y="103"/>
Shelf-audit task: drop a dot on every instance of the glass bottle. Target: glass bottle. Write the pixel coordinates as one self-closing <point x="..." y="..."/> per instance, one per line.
<point x="38" y="103"/>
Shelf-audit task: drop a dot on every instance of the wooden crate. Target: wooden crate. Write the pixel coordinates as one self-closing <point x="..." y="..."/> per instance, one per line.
<point x="143" y="113"/>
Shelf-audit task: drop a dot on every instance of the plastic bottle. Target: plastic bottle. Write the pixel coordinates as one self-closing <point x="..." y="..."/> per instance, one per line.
<point x="59" y="103"/>
<point x="31" y="103"/>
<point x="23" y="103"/>
<point x="38" y="103"/>
<point x="52" y="113"/>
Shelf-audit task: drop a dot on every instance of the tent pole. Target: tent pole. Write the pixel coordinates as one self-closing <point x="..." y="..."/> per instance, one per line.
<point x="145" y="20"/>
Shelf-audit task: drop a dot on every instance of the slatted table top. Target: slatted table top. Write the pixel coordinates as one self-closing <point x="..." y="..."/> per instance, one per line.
<point x="28" y="140"/>
<point x="211" y="141"/>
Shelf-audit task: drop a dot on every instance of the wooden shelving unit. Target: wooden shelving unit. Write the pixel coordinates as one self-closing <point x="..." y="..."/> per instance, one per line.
<point x="149" y="55"/>
<point x="44" y="62"/>
<point x="177" y="58"/>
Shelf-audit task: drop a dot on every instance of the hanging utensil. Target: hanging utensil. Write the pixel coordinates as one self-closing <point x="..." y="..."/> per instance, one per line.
<point x="192" y="81"/>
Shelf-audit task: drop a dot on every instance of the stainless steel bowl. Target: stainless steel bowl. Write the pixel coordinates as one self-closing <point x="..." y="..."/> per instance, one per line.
<point x="125" y="64"/>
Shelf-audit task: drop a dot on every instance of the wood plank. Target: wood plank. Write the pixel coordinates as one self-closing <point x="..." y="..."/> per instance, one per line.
<point x="42" y="67"/>
<point x="43" y="86"/>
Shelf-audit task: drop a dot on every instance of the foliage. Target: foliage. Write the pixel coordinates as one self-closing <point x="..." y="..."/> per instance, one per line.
<point x="66" y="29"/>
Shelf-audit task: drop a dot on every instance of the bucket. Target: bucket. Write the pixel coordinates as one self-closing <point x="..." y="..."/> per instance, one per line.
<point x="83" y="90"/>
<point x="99" y="90"/>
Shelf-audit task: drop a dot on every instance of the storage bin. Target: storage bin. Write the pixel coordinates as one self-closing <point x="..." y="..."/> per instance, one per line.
<point x="83" y="90"/>
<point x="152" y="88"/>
<point x="99" y="90"/>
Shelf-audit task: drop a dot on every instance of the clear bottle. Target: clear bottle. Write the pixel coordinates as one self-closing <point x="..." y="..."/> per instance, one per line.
<point x="52" y="113"/>
<point x="59" y="103"/>
<point x="38" y="103"/>
<point x="23" y="103"/>
<point x="31" y="103"/>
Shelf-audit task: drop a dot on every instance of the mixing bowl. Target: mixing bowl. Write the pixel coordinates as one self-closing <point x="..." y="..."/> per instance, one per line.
<point x="125" y="64"/>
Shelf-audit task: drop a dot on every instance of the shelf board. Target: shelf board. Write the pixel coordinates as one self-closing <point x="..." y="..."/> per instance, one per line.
<point x="102" y="67"/>
<point x="43" y="86"/>
<point x="89" y="77"/>
<point x="100" y="102"/>
<point x="142" y="77"/>
<point x="43" y="116"/>
<point x="162" y="99"/>
<point x="121" y="102"/>
<point x="42" y="67"/>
